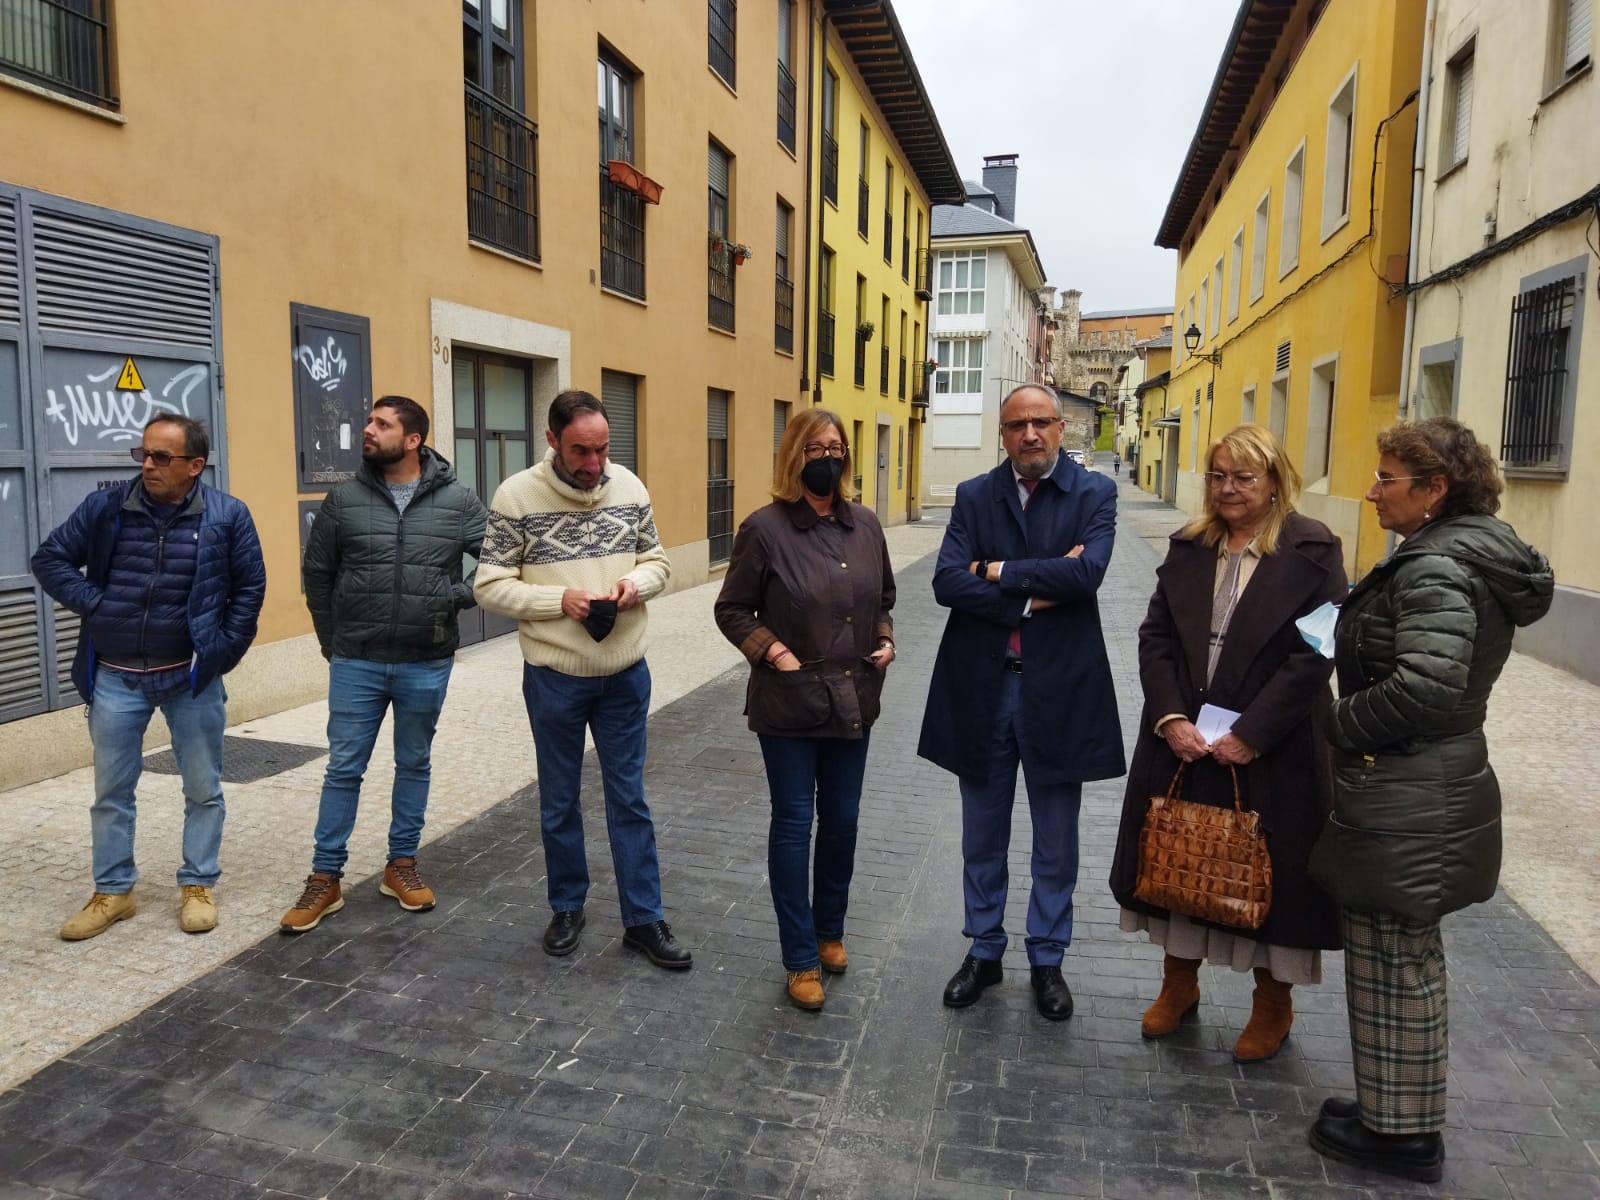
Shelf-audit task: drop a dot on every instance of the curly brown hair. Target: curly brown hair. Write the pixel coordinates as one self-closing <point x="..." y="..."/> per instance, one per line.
<point x="1444" y="446"/>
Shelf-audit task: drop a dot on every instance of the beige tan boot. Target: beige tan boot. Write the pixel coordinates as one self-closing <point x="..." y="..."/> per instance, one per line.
<point x="1271" y="1014"/>
<point x="1180" y="996"/>
<point x="833" y="958"/>
<point x="102" y="912"/>
<point x="198" y="913"/>
<point x="805" y="989"/>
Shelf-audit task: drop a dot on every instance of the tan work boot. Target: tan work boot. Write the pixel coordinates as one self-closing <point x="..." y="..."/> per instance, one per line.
<point x="1271" y="1014"/>
<point x="834" y="959"/>
<point x="103" y="911"/>
<point x="199" y="911"/>
<point x="400" y="880"/>
<point x="1180" y="996"/>
<point x="321" y="898"/>
<point x="805" y="989"/>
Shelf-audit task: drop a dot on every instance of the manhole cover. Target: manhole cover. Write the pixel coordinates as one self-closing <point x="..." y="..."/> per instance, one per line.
<point x="245" y="760"/>
<point x="721" y="758"/>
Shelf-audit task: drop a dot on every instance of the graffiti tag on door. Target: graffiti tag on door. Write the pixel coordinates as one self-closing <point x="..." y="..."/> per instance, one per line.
<point x="96" y="412"/>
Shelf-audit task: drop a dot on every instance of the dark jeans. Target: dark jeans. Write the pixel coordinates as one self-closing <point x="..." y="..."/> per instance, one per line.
<point x="811" y="893"/>
<point x="986" y="839"/>
<point x="614" y="708"/>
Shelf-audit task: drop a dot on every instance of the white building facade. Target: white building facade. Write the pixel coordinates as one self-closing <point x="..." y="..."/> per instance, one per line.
<point x="1506" y="327"/>
<point x="986" y="278"/>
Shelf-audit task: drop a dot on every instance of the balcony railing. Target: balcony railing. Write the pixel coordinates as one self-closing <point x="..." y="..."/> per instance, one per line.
<point x="720" y="38"/>
<point x="830" y="168"/>
<point x="502" y="176"/>
<point x="861" y="361"/>
<point x="621" y="238"/>
<point x="863" y="198"/>
<point x="61" y="44"/>
<point x="902" y="377"/>
<point x="786" y="100"/>
<point x="883" y="368"/>
<point x="719" y="287"/>
<point x="888" y="236"/>
<point x="924" y="275"/>
<point x="825" y="344"/>
<point x="719" y="518"/>
<point x="783" y="316"/>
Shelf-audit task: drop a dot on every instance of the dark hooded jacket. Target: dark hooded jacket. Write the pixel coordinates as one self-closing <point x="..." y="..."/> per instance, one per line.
<point x="1415" y="828"/>
<point x="385" y="585"/>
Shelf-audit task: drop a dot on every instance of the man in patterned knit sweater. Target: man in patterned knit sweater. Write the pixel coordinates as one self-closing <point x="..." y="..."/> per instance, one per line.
<point x="572" y="553"/>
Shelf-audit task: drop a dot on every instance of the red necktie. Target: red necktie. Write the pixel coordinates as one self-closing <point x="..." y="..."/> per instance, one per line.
<point x="1014" y="642"/>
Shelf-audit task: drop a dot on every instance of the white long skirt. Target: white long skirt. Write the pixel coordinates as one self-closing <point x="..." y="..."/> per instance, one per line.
<point x="1183" y="938"/>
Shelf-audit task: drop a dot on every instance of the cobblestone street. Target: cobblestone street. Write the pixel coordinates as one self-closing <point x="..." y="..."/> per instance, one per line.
<point x="442" y="1055"/>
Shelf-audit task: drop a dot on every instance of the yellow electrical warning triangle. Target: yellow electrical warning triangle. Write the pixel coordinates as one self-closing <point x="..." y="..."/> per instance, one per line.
<point x="129" y="380"/>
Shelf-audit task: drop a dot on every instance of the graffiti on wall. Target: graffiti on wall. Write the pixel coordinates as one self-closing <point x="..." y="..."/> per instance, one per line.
<point x="93" y="411"/>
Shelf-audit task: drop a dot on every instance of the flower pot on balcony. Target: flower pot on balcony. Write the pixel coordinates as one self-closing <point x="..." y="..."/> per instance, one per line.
<point x="740" y="253"/>
<point x="628" y="177"/>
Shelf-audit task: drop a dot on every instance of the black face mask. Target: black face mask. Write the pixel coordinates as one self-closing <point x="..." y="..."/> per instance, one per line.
<point x="602" y="616"/>
<point x="821" y="477"/>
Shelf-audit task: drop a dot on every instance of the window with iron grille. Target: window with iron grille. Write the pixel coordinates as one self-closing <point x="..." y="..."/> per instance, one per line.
<point x="1542" y="369"/>
<point x="786" y="85"/>
<point x="825" y="314"/>
<point x="721" y="27"/>
<point x="64" y="45"/>
<point x="621" y="211"/>
<point x="830" y="137"/>
<point x="719" y="486"/>
<point x="502" y="143"/>
<point x="783" y="286"/>
<point x="905" y="239"/>
<point x="720" y="267"/>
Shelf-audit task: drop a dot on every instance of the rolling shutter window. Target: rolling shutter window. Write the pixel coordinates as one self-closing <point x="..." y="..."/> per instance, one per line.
<point x="1580" y="18"/>
<point x="10" y="300"/>
<point x="110" y="281"/>
<point x="718" y="175"/>
<point x="717" y="415"/>
<point x="780" y="422"/>
<point x="619" y="392"/>
<point x="1462" y="126"/>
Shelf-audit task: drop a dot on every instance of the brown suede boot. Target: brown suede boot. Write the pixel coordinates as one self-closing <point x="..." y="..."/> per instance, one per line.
<point x="1180" y="996"/>
<point x="1271" y="1014"/>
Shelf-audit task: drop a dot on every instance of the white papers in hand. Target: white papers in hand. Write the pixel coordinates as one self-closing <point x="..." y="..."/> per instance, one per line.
<point x="1213" y="722"/>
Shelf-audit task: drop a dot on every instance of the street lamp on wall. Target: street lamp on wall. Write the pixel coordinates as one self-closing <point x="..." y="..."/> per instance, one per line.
<point x="1191" y="343"/>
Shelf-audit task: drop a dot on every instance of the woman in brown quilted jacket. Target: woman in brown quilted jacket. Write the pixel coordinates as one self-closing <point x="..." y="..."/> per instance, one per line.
<point x="1221" y="630"/>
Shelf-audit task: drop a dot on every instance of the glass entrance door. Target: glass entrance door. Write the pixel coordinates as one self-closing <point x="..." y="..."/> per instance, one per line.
<point x="494" y="420"/>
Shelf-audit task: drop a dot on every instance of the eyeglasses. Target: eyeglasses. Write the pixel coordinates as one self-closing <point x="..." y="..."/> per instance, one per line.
<point x="1385" y="480"/>
<point x="161" y="458"/>
<point x="1243" y="480"/>
<point x="1039" y="424"/>
<point x="815" y="450"/>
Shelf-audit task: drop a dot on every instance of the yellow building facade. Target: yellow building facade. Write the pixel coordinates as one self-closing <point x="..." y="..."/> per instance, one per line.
<point x="879" y="162"/>
<point x="273" y="228"/>
<point x="1290" y="216"/>
<point x="1157" y="436"/>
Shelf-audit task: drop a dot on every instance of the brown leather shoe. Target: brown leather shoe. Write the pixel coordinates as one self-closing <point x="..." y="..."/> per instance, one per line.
<point x="834" y="959"/>
<point x="805" y="989"/>
<point x="1180" y="996"/>
<point x="400" y="880"/>
<point x="103" y="911"/>
<point x="1271" y="1014"/>
<point x="322" y="898"/>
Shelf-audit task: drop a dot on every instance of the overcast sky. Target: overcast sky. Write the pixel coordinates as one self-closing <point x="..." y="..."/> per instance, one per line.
<point x="1098" y="99"/>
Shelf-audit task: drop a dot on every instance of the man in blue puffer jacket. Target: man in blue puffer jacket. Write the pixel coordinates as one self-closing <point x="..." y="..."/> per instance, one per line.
<point x="168" y="577"/>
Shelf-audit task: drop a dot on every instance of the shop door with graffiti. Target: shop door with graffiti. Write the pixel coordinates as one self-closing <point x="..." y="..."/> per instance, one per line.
<point x="106" y="320"/>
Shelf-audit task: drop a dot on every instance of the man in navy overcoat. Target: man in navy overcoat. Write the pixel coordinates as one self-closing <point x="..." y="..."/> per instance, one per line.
<point x="1022" y="676"/>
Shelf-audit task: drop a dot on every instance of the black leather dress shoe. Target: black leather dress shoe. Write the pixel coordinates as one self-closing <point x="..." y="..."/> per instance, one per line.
<point x="1417" y="1156"/>
<point x="561" y="935"/>
<point x="1051" y="995"/>
<point x="967" y="984"/>
<point x="1338" y="1106"/>
<point x="655" y="942"/>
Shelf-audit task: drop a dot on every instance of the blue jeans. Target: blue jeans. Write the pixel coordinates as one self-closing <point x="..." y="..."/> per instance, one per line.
<point x="118" y="718"/>
<point x="806" y="774"/>
<point x="614" y="708"/>
<point x="986" y="838"/>
<point x="359" y="693"/>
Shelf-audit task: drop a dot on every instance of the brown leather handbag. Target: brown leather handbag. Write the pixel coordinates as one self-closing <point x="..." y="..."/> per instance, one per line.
<point x="1205" y="861"/>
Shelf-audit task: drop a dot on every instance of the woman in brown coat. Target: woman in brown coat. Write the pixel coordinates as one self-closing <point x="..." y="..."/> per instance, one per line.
<point x="807" y="599"/>
<point x="1221" y="630"/>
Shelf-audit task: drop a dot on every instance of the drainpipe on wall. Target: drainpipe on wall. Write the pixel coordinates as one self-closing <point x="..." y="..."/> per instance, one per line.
<point x="814" y="385"/>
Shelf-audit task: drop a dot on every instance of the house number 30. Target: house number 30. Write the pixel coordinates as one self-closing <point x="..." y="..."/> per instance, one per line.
<point x="442" y="349"/>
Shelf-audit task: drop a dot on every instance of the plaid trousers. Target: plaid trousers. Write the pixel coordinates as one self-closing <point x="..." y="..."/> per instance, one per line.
<point x="1394" y="984"/>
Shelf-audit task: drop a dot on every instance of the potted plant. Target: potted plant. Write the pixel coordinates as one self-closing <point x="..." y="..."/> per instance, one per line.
<point x="865" y="330"/>
<point x="740" y="253"/>
<point x="930" y="366"/>
<point x="718" y="243"/>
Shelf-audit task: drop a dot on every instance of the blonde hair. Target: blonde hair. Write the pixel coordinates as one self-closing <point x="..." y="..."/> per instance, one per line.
<point x="1257" y="448"/>
<point x="804" y="427"/>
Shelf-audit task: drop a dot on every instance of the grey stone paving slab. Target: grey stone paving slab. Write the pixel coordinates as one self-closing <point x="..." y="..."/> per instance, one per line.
<point x="443" y="1055"/>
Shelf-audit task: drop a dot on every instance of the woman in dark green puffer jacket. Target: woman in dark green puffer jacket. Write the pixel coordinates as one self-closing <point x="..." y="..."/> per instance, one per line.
<point x="1415" y="829"/>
